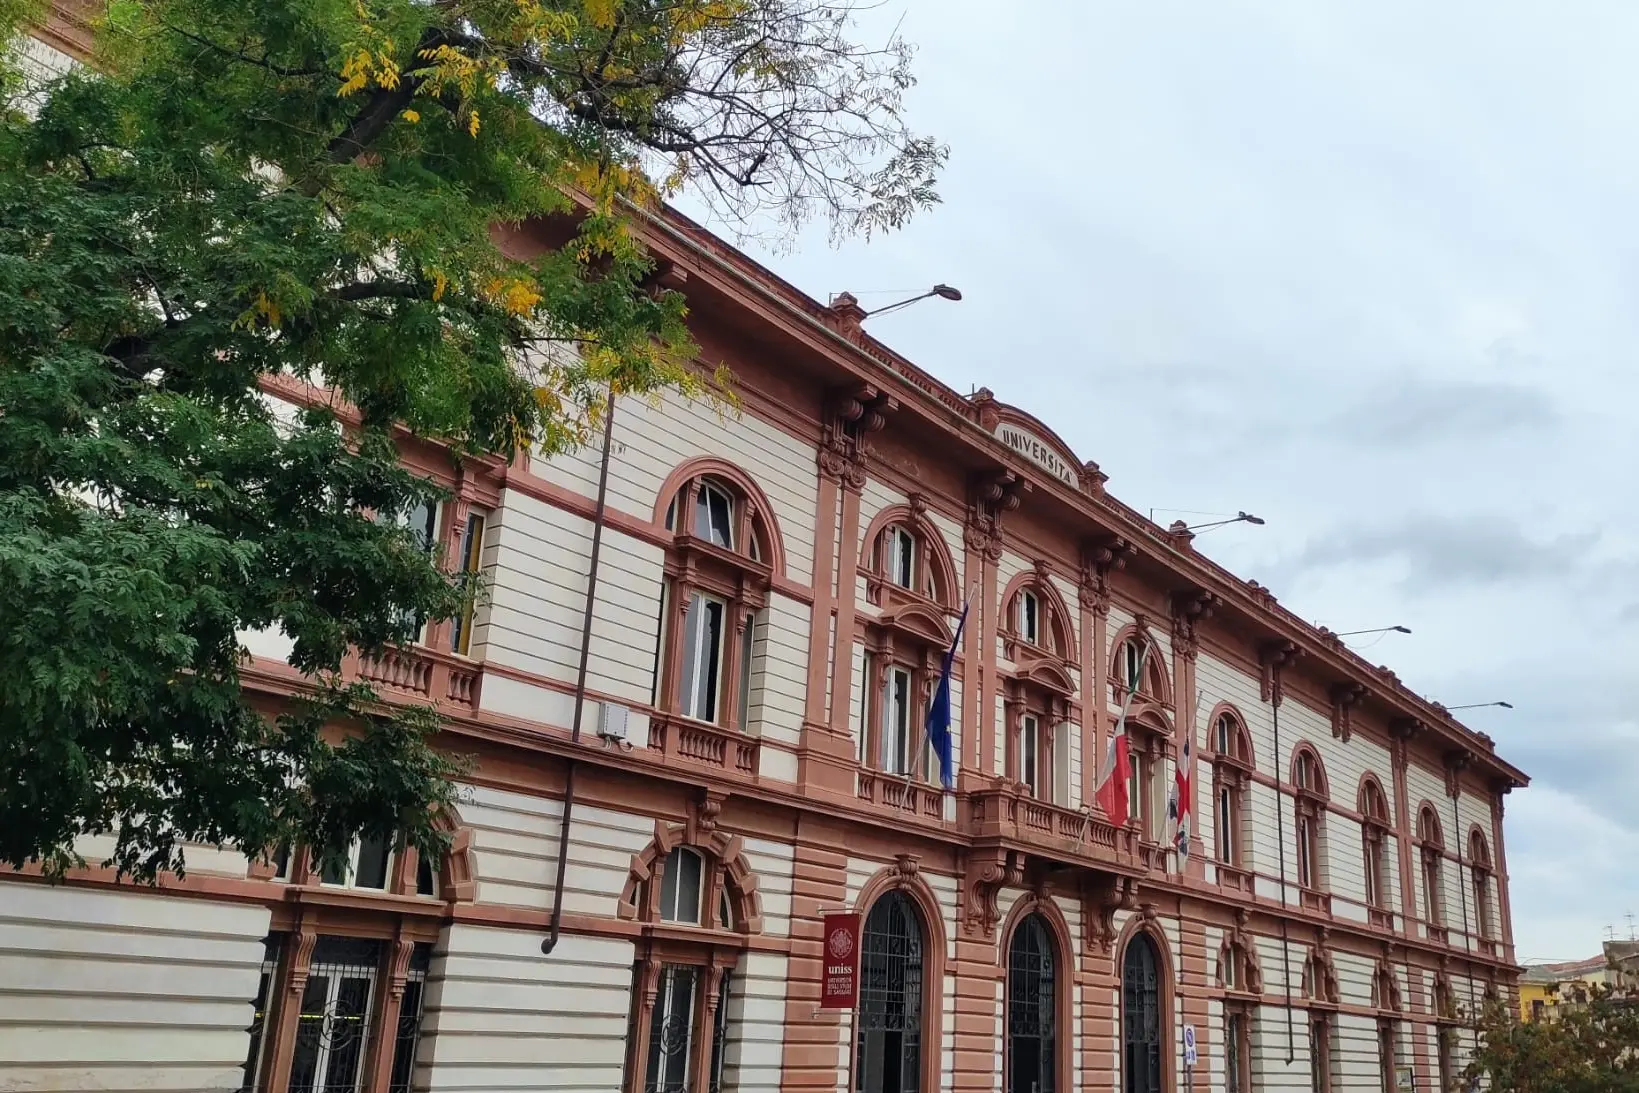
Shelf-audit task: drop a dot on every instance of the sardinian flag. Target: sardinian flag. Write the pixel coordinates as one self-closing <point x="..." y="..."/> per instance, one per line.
<point x="1179" y="802"/>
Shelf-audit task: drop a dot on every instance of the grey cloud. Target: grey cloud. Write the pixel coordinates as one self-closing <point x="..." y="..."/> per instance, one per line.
<point x="1573" y="726"/>
<point x="1406" y="289"/>
<point x="1438" y="549"/>
<point x="1416" y="412"/>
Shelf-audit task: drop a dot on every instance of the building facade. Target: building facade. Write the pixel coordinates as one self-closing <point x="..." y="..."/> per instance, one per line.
<point x="1545" y="988"/>
<point x="677" y="777"/>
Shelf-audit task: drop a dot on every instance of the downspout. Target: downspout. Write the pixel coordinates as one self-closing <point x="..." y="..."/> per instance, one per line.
<point x="1462" y="881"/>
<point x="551" y="941"/>
<point x="1280" y="844"/>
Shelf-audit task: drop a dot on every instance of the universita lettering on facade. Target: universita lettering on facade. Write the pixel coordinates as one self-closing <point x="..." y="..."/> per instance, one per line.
<point x="776" y="594"/>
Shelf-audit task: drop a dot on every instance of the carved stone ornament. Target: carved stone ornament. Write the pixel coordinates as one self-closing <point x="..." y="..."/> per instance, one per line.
<point x="1102" y="895"/>
<point x="906" y="869"/>
<point x="989" y="870"/>
<point x="1260" y="595"/>
<point x="1093" y="479"/>
<point x="1238" y="948"/>
<point x="1179" y="535"/>
<point x="1190" y="608"/>
<point x="853" y="414"/>
<point x="1456" y="762"/>
<point x="1402" y="730"/>
<point x="1274" y="658"/>
<point x="983" y="535"/>
<point x="1094" y="593"/>
<point x="1099" y="558"/>
<point x="1386" y="987"/>
<point x="1345" y="696"/>
<point x="706" y="811"/>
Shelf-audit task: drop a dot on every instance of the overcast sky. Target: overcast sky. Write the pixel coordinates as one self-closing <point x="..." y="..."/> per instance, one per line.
<point x="1366" y="270"/>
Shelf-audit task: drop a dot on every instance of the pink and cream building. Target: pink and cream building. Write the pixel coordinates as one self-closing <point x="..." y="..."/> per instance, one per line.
<point x="775" y="588"/>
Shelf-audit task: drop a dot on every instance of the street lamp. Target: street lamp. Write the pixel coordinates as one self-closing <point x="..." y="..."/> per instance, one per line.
<point x="1238" y="518"/>
<point x="1480" y="706"/>
<point x="944" y="292"/>
<point x="1378" y="630"/>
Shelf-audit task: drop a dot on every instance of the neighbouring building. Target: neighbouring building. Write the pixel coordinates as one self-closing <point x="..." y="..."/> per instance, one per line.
<point x="775" y="592"/>
<point x="1544" y="988"/>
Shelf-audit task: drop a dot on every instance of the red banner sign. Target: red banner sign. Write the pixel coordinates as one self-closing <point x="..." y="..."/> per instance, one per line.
<point x="839" y="989"/>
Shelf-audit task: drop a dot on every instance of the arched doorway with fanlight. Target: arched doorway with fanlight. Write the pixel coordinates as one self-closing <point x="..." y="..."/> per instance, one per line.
<point x="889" y="1050"/>
<point x="1033" y="982"/>
<point x="1144" y="1003"/>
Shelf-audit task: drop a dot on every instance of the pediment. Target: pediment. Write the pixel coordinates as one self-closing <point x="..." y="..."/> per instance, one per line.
<point x="917" y="621"/>
<point x="1047" y="673"/>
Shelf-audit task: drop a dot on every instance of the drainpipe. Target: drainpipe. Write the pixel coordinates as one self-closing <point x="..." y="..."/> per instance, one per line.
<point x="1280" y="844"/>
<point x="551" y="941"/>
<point x="1462" y="881"/>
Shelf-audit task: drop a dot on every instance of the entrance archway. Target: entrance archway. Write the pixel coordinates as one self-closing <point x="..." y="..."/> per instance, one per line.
<point x="888" y="1056"/>
<point x="1142" y="1031"/>
<point x="1032" y="1008"/>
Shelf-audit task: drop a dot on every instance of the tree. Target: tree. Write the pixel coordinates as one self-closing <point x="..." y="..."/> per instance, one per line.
<point x="307" y="188"/>
<point x="1591" y="1048"/>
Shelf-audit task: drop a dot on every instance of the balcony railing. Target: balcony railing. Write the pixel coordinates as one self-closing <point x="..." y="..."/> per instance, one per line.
<point x="417" y="674"/>
<point x="901" y="796"/>
<point x="1008" y="812"/>
<point x="707" y="745"/>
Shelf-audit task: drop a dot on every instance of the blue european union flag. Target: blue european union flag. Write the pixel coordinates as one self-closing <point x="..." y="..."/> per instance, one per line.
<point x="939" y="709"/>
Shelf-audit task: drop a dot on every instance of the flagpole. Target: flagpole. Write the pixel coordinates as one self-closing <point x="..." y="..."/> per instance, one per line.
<point x="936" y="725"/>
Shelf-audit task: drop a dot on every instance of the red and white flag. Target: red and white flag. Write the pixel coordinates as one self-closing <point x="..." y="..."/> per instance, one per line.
<point x="1180" y="802"/>
<point x="1112" y="792"/>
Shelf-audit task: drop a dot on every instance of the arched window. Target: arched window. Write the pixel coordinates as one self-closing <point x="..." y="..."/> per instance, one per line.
<point x="909" y="574"/>
<point x="1479" y="860"/>
<point x="1149" y="745"/>
<point x="908" y="556"/>
<point x="903" y="656"/>
<point x="1032" y="1008"/>
<point x="1036" y="710"/>
<point x="1231" y="774"/>
<point x="1238" y="975"/>
<point x="1431" y="852"/>
<point x="1310" y="794"/>
<point x="1319" y="979"/>
<point x="680" y="887"/>
<point x="1035" y="623"/>
<point x="390" y="920"/>
<point x="1322" y="1033"/>
<point x="1374" y="839"/>
<point x="888" y="1038"/>
<point x="1320" y="988"/>
<point x="717" y="583"/>
<point x="683" y="1006"/>
<point x="1138" y="683"/>
<point x="1139" y="667"/>
<point x="1386" y="1000"/>
<point x="1143" y="1005"/>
